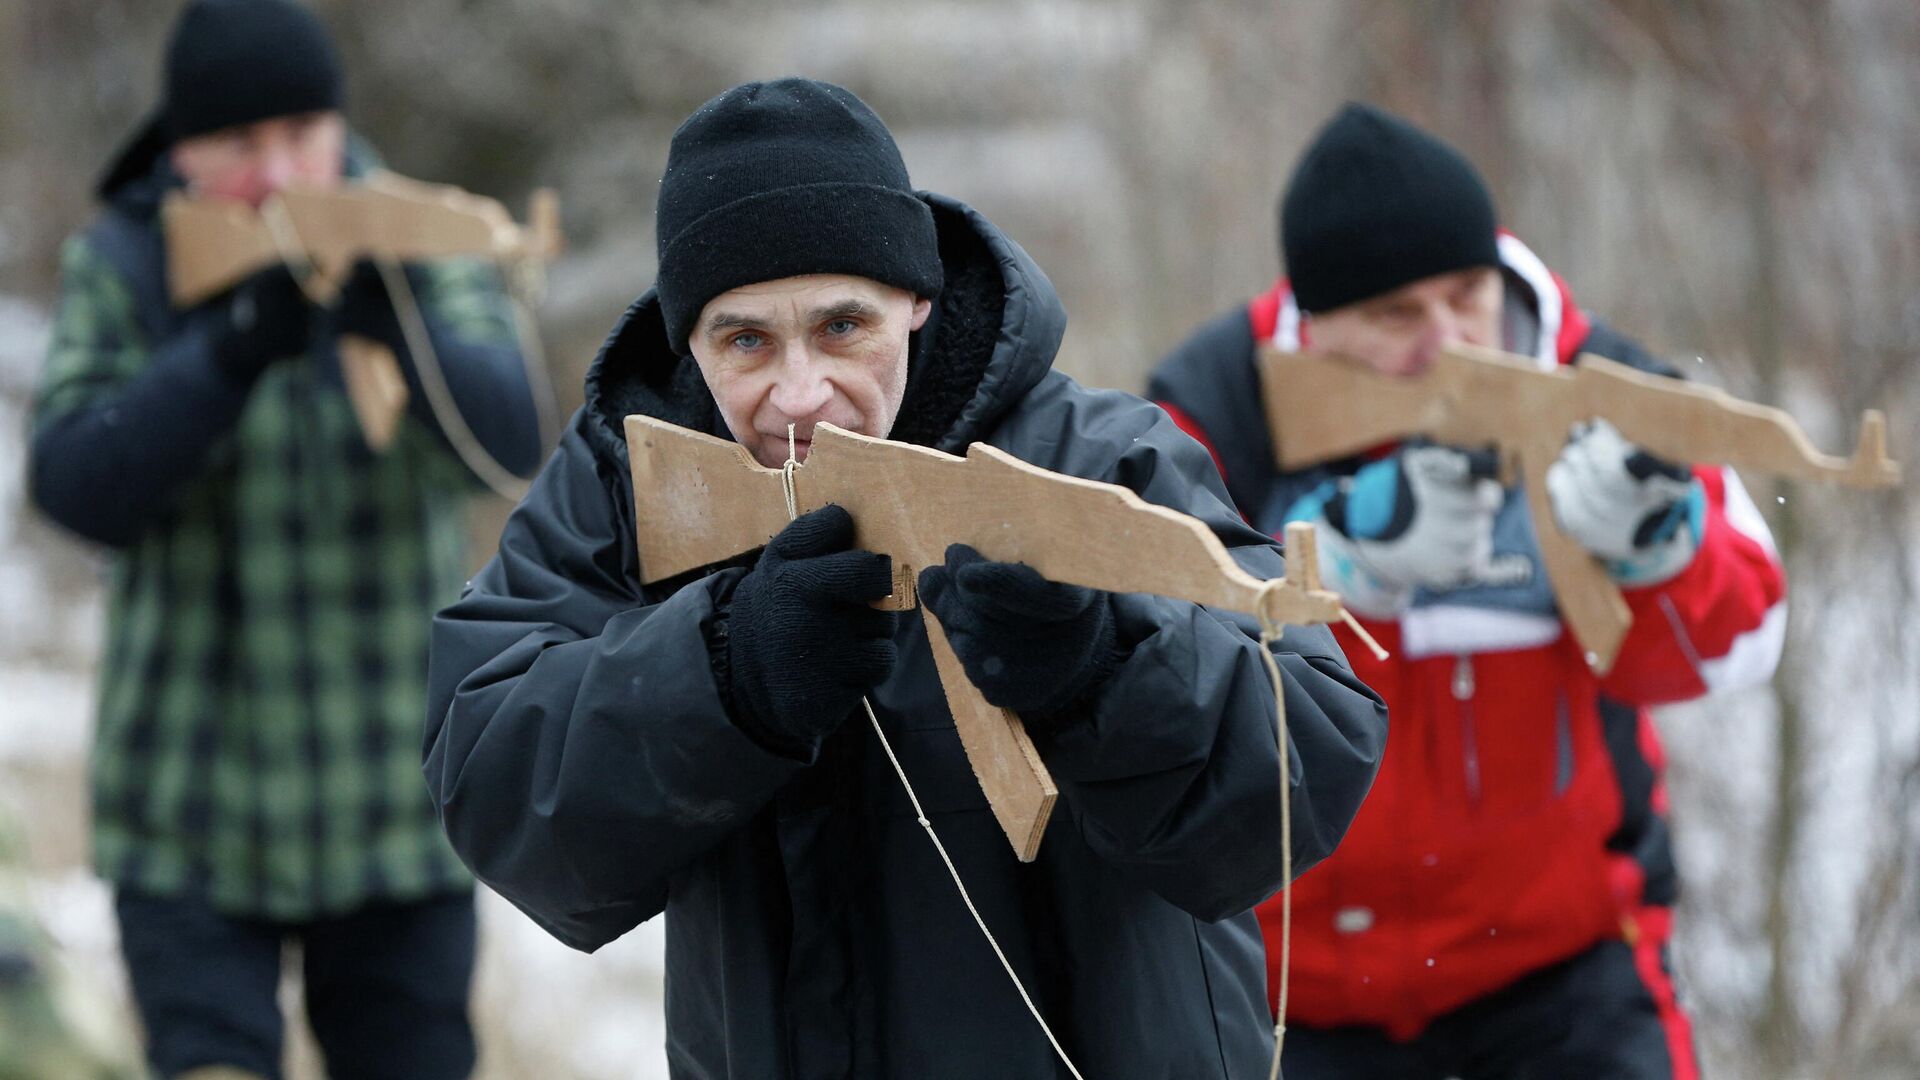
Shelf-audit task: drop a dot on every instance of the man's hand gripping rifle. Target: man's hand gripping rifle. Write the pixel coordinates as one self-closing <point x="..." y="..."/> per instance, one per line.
<point x="700" y="500"/>
<point x="1323" y="408"/>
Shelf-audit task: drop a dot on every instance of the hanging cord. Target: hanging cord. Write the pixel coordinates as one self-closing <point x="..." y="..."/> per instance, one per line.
<point x="920" y="814"/>
<point x="413" y="327"/>
<point x="1269" y="634"/>
<point x="446" y="411"/>
<point x="526" y="288"/>
<point x="293" y="252"/>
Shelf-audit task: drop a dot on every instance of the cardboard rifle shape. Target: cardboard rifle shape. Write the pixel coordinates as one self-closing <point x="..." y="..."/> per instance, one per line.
<point x="1321" y="408"/>
<point x="700" y="500"/>
<point x="214" y="244"/>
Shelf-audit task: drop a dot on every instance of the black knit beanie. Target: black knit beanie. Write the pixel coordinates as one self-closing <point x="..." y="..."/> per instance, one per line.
<point x="239" y="61"/>
<point x="1375" y="204"/>
<point x="772" y="180"/>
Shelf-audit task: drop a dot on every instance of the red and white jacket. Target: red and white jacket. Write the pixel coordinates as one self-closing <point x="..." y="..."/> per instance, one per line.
<point x="1518" y="816"/>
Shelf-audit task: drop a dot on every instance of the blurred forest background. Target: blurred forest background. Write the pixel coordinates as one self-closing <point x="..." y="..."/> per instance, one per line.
<point x="1737" y="182"/>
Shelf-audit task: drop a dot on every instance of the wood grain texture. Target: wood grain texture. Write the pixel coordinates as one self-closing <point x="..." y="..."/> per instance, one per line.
<point x="1322" y="408"/>
<point x="699" y="500"/>
<point x="213" y="244"/>
<point x="703" y="499"/>
<point x="1016" y="782"/>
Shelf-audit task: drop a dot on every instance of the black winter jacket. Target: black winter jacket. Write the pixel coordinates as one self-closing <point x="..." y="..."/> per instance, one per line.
<point x="587" y="769"/>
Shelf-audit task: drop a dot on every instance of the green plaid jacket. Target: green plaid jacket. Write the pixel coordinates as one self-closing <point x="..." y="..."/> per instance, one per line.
<point x="264" y="680"/>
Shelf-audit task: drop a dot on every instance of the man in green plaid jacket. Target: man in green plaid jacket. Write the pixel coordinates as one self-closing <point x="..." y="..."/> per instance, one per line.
<point x="255" y="775"/>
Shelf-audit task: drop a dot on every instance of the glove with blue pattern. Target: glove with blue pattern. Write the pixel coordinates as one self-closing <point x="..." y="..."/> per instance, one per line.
<point x="1638" y="513"/>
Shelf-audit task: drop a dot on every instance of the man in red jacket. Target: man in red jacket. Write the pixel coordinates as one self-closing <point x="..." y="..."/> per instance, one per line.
<point x="1502" y="904"/>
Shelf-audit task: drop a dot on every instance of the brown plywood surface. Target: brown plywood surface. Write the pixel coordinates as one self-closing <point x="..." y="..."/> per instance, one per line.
<point x="700" y="500"/>
<point x="1320" y="408"/>
<point x="213" y="244"/>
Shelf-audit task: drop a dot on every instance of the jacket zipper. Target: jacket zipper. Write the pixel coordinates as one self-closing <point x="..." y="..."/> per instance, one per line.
<point x="1463" y="689"/>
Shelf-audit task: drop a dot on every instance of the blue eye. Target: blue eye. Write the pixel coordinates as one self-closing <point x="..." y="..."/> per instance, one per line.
<point x="842" y="326"/>
<point x="747" y="341"/>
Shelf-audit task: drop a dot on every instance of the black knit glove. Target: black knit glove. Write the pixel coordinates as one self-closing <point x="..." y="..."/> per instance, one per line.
<point x="1031" y="645"/>
<point x="799" y="643"/>
<point x="364" y="308"/>
<point x="263" y="319"/>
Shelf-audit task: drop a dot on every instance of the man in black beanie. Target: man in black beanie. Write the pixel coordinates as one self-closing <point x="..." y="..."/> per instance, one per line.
<point x="1502" y="904"/>
<point x="273" y="579"/>
<point x="604" y="751"/>
<point x="251" y="103"/>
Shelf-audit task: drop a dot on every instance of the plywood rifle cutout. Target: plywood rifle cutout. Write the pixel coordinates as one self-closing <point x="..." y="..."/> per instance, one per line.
<point x="700" y="500"/>
<point x="214" y="244"/>
<point x="1322" y="408"/>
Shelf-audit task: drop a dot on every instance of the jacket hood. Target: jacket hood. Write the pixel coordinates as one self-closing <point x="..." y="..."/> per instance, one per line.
<point x="991" y="337"/>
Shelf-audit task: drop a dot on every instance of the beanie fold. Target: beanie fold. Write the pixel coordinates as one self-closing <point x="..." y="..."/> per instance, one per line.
<point x="863" y="230"/>
<point x="1385" y="255"/>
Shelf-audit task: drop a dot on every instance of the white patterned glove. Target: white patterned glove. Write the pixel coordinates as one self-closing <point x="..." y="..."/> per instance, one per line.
<point x="1638" y="513"/>
<point x="1420" y="518"/>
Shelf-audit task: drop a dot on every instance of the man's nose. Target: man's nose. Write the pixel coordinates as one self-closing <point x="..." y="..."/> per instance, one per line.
<point x="801" y="389"/>
<point x="277" y="168"/>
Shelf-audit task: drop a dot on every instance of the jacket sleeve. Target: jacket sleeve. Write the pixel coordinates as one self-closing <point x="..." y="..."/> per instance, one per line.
<point x="1720" y="623"/>
<point x="471" y="325"/>
<point x="1174" y="776"/>
<point x="117" y="413"/>
<point x="576" y="746"/>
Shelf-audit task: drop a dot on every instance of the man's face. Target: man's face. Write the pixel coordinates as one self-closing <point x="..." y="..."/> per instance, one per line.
<point x="1402" y="332"/>
<point x="804" y="350"/>
<point x="249" y="162"/>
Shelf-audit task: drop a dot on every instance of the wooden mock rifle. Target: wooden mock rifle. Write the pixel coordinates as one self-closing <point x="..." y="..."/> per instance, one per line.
<point x="700" y="500"/>
<point x="214" y="244"/>
<point x="1322" y="408"/>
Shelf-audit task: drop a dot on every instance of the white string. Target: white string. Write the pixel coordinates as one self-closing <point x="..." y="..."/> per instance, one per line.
<point x="292" y="250"/>
<point x="433" y="380"/>
<point x="526" y="288"/>
<point x="413" y="327"/>
<point x="1270" y="632"/>
<point x="786" y="476"/>
<point x="533" y="358"/>
<point x="920" y="814"/>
